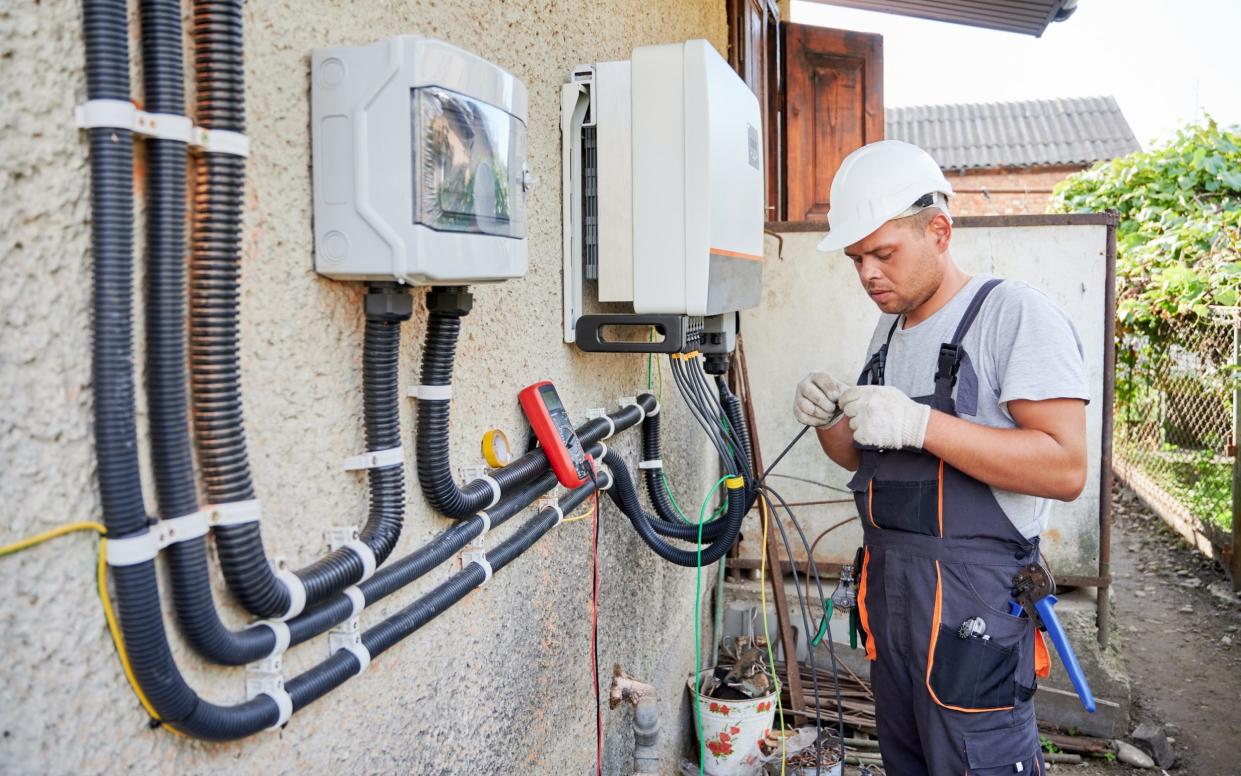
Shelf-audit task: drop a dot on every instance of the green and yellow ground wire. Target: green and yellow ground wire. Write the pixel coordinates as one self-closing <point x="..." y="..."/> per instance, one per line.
<point x="101" y="581"/>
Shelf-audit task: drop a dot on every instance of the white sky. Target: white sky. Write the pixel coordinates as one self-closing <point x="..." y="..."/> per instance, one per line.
<point x="1165" y="61"/>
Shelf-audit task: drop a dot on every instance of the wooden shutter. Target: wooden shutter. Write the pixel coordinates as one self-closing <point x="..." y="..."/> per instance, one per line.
<point x="833" y="104"/>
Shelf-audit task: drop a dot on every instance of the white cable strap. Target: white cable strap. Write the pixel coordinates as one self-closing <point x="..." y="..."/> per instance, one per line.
<point x="297" y="593"/>
<point x="653" y="412"/>
<point x="628" y="400"/>
<point x="283" y="702"/>
<point x="374" y="459"/>
<point x="485" y="565"/>
<point x="221" y="141"/>
<point x="611" y="426"/>
<point x="559" y="512"/>
<point x="654" y="463"/>
<point x="359" y="651"/>
<point x="365" y="554"/>
<point x="486" y="524"/>
<point x="181" y="529"/>
<point x="281" y="631"/>
<point x="495" y="489"/>
<point x="132" y="550"/>
<point x="431" y="392"/>
<point x="140" y="548"/>
<point x="234" y="512"/>
<point x="357" y="598"/>
<point x="123" y="114"/>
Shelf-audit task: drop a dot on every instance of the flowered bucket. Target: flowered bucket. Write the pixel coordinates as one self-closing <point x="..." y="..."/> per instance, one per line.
<point x="731" y="731"/>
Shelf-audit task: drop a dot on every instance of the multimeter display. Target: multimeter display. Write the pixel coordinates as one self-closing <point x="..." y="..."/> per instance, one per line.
<point x="555" y="433"/>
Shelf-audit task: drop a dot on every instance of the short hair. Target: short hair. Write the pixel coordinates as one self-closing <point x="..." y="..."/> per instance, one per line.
<point x="919" y="221"/>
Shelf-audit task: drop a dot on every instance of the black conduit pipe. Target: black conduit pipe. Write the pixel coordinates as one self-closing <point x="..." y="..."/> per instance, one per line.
<point x="106" y="34"/>
<point x="215" y="363"/>
<point x="669" y="523"/>
<point x="625" y="496"/>
<point x="446" y="306"/>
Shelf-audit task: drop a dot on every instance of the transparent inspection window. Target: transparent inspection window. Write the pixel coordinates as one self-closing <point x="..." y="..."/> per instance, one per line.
<point x="468" y="165"/>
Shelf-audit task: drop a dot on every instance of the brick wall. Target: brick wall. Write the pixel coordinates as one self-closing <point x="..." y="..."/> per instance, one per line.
<point x="1005" y="191"/>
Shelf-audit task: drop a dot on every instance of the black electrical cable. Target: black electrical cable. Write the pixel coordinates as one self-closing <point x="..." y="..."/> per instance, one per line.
<point x="805" y="615"/>
<point x="831" y="645"/>
<point x="625" y="496"/>
<point x="446" y="306"/>
<point x="702" y="418"/>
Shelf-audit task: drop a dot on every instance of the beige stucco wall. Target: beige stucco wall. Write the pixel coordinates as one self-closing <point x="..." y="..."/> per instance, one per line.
<point x="500" y="683"/>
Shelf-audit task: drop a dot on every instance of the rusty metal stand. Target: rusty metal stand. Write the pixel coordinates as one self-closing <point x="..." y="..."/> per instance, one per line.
<point x="741" y="386"/>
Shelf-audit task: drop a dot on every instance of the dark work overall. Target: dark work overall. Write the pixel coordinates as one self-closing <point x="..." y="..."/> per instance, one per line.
<point x="939" y="551"/>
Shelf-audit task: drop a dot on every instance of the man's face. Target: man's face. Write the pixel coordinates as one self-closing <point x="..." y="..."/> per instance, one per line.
<point x="899" y="265"/>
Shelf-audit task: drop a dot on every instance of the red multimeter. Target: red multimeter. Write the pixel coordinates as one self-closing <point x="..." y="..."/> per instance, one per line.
<point x="555" y="433"/>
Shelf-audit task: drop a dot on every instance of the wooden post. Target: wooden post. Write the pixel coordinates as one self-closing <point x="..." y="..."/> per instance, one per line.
<point x="774" y="565"/>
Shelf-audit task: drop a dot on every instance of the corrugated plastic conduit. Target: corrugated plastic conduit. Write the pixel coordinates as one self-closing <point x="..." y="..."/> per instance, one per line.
<point x="218" y="420"/>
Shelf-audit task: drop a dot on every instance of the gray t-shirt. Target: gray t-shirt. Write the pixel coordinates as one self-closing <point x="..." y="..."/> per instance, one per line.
<point x="1021" y="346"/>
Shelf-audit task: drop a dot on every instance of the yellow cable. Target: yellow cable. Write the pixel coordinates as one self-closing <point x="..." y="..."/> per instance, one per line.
<point x="83" y="525"/>
<point x="114" y="628"/>
<point x="762" y="593"/>
<point x="101" y="579"/>
<point x="582" y="516"/>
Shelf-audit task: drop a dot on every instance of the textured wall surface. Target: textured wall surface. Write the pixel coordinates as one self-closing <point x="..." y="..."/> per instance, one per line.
<point x="815" y="299"/>
<point x="500" y="683"/>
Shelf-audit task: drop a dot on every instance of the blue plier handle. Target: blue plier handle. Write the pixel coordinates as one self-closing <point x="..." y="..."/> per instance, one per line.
<point x="1034" y="594"/>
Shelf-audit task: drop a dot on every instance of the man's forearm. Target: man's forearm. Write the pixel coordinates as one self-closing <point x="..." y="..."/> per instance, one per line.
<point x="1022" y="460"/>
<point x="837" y="442"/>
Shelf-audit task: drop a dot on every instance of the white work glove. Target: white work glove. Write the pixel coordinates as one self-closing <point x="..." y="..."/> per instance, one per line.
<point x="815" y="402"/>
<point x="881" y="416"/>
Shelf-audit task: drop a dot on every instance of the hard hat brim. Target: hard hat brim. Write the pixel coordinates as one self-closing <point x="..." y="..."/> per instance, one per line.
<point x="838" y="239"/>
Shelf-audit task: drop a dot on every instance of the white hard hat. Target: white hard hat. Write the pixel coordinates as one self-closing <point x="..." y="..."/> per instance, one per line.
<point x="879" y="182"/>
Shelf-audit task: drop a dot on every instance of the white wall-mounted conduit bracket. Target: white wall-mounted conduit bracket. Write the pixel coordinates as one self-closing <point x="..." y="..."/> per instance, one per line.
<point x="603" y="451"/>
<point x="283" y="637"/>
<point x="486" y="524"/>
<point x="365" y="554"/>
<point x="600" y="412"/>
<point x="123" y="114"/>
<point x="609" y="476"/>
<point x="495" y="489"/>
<point x="654" y="463"/>
<point x="234" y="513"/>
<point x="283" y="702"/>
<point x="626" y="401"/>
<point x="376" y="459"/>
<point x="357" y="598"/>
<point x="293" y="583"/>
<point x="430" y="392"/>
<point x="264" y="677"/>
<point x="363" y="655"/>
<point x="140" y="548"/>
<point x="559" y="512"/>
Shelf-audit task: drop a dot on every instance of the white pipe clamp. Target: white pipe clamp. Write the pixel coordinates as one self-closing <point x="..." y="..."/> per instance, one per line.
<point x="281" y="632"/>
<point x="297" y="593"/>
<point x="431" y="392"/>
<point x="357" y="598"/>
<point x="495" y="489"/>
<point x="283" y="702"/>
<point x="375" y="459"/>
<point x="363" y="655"/>
<point x="654" y="463"/>
<point x="234" y="512"/>
<point x="365" y="554"/>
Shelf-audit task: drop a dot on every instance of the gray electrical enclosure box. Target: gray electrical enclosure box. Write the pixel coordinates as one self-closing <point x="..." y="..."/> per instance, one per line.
<point x="419" y="164"/>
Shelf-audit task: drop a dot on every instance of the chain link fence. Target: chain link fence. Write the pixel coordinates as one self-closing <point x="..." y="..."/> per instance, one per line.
<point x="1174" y="418"/>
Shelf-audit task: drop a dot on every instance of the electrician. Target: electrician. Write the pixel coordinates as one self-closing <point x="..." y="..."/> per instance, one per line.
<point x="968" y="418"/>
